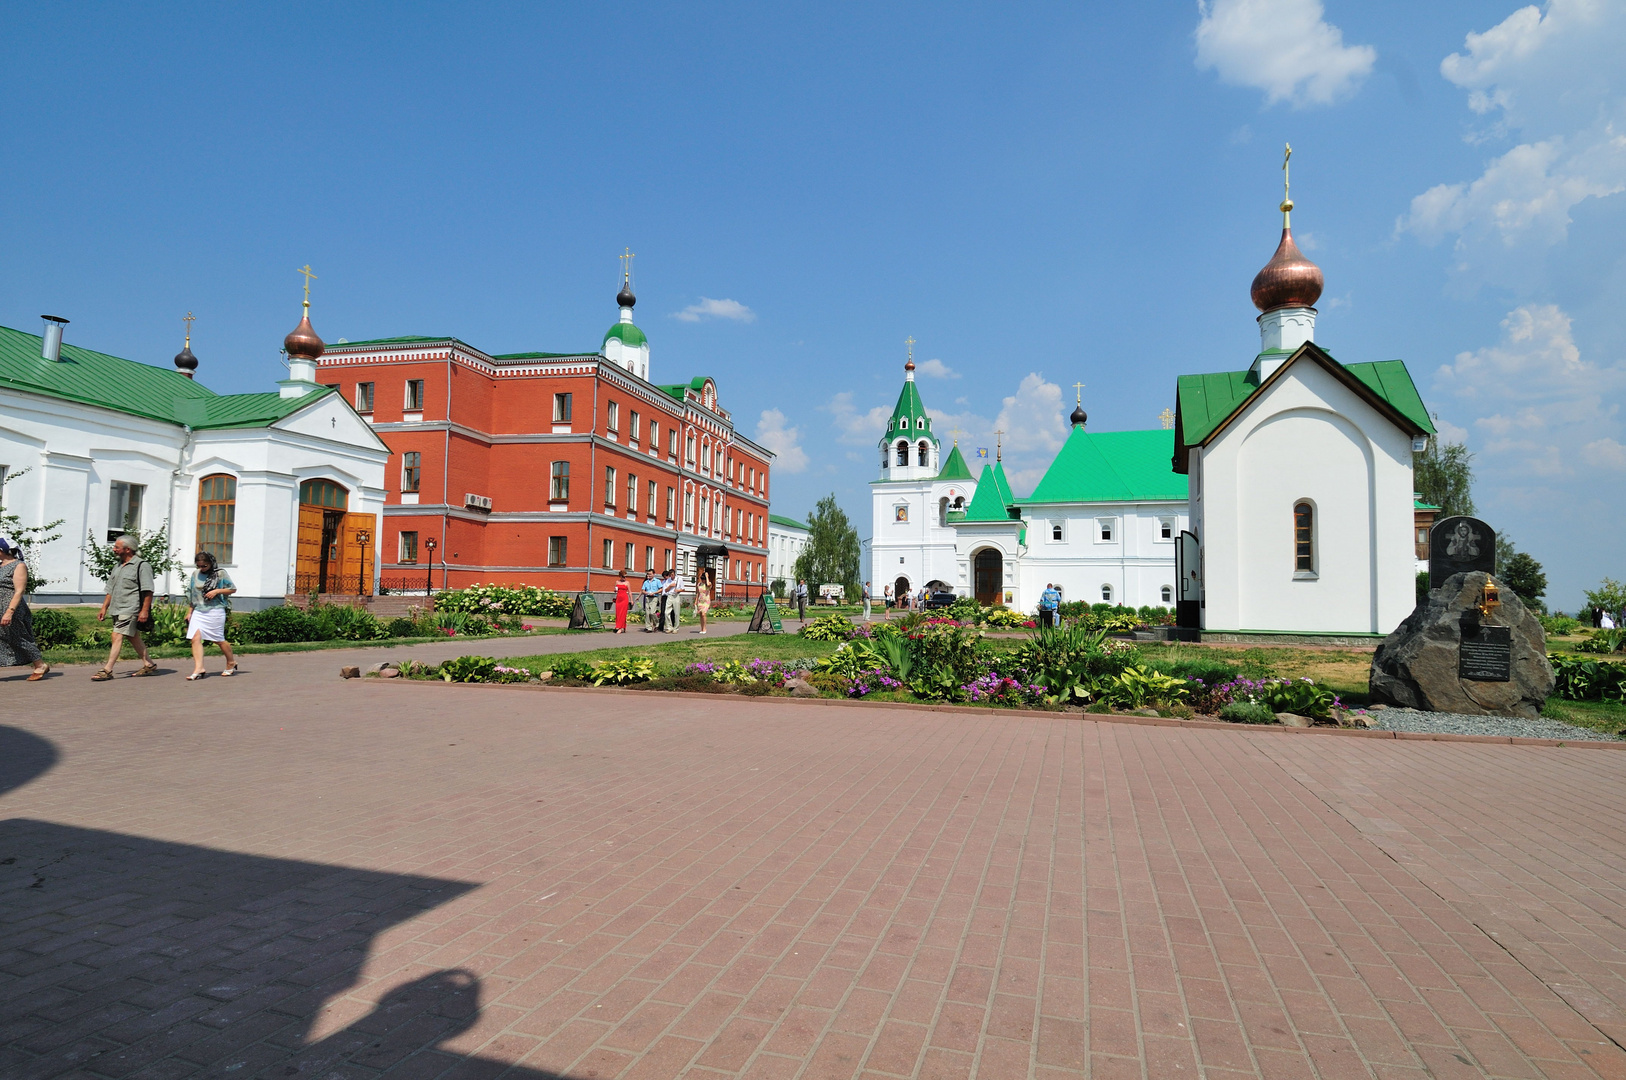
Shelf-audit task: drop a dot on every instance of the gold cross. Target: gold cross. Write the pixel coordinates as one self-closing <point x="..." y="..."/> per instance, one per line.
<point x="911" y="343"/>
<point x="189" y="320"/>
<point x="626" y="264"/>
<point x="1287" y="186"/>
<point x="956" y="433"/>
<point x="998" y="444"/>
<point x="306" y="270"/>
<point x="1078" y="391"/>
<point x="1167" y="417"/>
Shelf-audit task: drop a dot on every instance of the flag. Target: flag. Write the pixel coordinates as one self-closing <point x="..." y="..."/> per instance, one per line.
<point x="982" y="452"/>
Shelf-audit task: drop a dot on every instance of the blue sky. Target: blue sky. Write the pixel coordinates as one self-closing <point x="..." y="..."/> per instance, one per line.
<point x="1040" y="195"/>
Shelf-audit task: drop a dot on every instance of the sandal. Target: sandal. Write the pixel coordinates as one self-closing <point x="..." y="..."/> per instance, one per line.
<point x="102" y="676"/>
<point x="36" y="676"/>
<point x="195" y="676"/>
<point x="149" y="668"/>
<point x="232" y="670"/>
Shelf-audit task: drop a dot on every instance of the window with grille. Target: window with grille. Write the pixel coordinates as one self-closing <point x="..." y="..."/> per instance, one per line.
<point x="559" y="482"/>
<point x="414" y="395"/>
<point x="1303" y="538"/>
<point x="364" y="397"/>
<point x="411" y="470"/>
<point x="1106" y="594"/>
<point x="324" y="493"/>
<point x="409" y="547"/>
<point x="556" y="550"/>
<point x="217" y="515"/>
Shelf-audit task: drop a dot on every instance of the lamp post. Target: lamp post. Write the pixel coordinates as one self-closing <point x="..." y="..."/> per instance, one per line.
<point x="429" y="572"/>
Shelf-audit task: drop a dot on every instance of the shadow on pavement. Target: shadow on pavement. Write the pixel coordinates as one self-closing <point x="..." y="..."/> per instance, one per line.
<point x="121" y="955"/>
<point x="24" y="756"/>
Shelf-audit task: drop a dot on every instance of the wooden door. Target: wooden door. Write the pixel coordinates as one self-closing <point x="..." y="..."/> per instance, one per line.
<point x="308" y="552"/>
<point x="356" y="555"/>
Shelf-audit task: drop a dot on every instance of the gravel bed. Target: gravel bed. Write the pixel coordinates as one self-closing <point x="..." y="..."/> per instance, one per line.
<point x="1443" y="723"/>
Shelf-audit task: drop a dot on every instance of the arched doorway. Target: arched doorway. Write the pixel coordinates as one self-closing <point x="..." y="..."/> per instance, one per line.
<point x="900" y="591"/>
<point x="335" y="546"/>
<point x="988" y="577"/>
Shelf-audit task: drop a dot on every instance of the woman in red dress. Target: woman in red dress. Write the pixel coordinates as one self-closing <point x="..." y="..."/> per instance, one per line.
<point x="623" y="601"/>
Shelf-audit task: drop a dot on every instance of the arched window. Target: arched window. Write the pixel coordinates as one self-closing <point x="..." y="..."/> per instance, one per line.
<point x="1303" y="538"/>
<point x="1106" y="594"/>
<point x="903" y="452"/>
<point x="217" y="515"/>
<point x="904" y="423"/>
<point x="1168" y="594"/>
<point x="324" y="493"/>
<point x="923" y="452"/>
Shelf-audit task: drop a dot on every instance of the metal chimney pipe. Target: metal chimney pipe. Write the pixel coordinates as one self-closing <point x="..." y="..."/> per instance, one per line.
<point x="51" y="344"/>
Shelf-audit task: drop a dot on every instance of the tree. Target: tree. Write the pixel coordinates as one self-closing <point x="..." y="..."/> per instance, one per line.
<point x="832" y="553"/>
<point x="154" y="547"/>
<point x="1444" y="477"/>
<point x="28" y="538"/>
<point x="1521" y="573"/>
<point x="1609" y="595"/>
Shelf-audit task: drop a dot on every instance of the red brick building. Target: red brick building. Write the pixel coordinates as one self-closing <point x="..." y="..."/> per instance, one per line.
<point x="553" y="469"/>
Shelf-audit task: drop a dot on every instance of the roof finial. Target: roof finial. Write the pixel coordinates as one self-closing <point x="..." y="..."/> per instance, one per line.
<point x="625" y="298"/>
<point x="626" y="258"/>
<point x="1287" y="188"/>
<point x="185" y="362"/>
<point x="1079" y="415"/>
<point x="1166" y="418"/>
<point x="306" y="270"/>
<point x="956" y="433"/>
<point x="909" y="364"/>
<point x="1078" y="393"/>
<point x="189" y="319"/>
<point x="999" y="445"/>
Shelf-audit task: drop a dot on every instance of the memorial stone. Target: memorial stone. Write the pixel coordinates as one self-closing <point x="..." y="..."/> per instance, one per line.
<point x="1460" y="545"/>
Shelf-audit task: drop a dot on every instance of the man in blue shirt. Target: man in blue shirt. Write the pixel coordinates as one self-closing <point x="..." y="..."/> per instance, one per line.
<point x="1049" y="605"/>
<point x="651" y="590"/>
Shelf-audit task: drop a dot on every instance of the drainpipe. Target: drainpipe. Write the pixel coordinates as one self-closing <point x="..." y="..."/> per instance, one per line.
<point x="446" y="472"/>
<point x="592" y="479"/>
<point x="181" y="461"/>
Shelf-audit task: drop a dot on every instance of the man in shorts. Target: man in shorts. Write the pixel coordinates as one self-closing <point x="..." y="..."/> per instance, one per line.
<point x="129" y="601"/>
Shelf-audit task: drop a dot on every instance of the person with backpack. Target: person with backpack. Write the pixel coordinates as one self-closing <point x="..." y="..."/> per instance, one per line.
<point x="208" y="596"/>
<point x="129" y="601"/>
<point x="1049" y="605"/>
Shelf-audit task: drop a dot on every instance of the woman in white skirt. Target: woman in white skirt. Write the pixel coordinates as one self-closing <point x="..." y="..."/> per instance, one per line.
<point x="207" y="594"/>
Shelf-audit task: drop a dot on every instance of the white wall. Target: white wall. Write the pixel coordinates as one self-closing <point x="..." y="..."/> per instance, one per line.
<point x="1307" y="437"/>
<point x="1137" y="563"/>
<point x="922" y="548"/>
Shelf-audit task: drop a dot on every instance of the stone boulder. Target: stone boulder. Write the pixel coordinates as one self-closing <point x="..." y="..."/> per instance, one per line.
<point x="1417" y="666"/>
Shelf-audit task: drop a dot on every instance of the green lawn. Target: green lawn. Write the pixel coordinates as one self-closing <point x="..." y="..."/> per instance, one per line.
<point x="1605" y="716"/>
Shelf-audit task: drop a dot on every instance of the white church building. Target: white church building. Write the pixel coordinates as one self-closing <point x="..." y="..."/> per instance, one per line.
<point x="1287" y="486"/>
<point x="271" y="483"/>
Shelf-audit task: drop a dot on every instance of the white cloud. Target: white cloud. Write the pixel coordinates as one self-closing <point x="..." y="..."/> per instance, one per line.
<point x="708" y="308"/>
<point x="856" y="427"/>
<point x="1604" y="453"/>
<point x="1030" y="426"/>
<point x="1283" y="47"/>
<point x="937" y="369"/>
<point x="783" y="440"/>
<point x="1553" y="80"/>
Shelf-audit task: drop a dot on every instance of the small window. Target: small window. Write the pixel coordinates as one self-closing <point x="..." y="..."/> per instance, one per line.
<point x="1167" y="593"/>
<point x="609" y="554"/>
<point x="559" y="485"/>
<point x="614" y="413"/>
<point x="632" y="496"/>
<point x="1165" y="529"/>
<point x="671" y="508"/>
<point x="649" y="557"/>
<point x="653" y="491"/>
<point x="1303" y="538"/>
<point x="688" y="510"/>
<point x="609" y="487"/>
<point x="671" y="443"/>
<point x="364" y="397"/>
<point x="217" y="515"/>
<point x="903" y="452"/>
<point x="561" y="408"/>
<point x="688" y="451"/>
<point x="414" y="395"/>
<point x="1107" y="526"/>
<point x="124" y="508"/>
<point x="409" y="547"/>
<point x="904" y="423"/>
<point x="654" y="436"/>
<point x="632" y="425"/>
<point x="556" y="550"/>
<point x="628" y="563"/>
<point x="1422" y="536"/>
<point x="923" y="453"/>
<point x="411" y="469"/>
<point x="667" y="558"/>
<point x="1055" y="530"/>
<point x="1106" y="594"/>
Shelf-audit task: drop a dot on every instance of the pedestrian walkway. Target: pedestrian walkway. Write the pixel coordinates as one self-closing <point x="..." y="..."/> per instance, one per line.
<point x="288" y="871"/>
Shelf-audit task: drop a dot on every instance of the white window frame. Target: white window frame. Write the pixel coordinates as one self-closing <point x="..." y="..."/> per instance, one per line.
<point x="1109" y="525"/>
<point x="1057" y="525"/>
<point x="1173" y="525"/>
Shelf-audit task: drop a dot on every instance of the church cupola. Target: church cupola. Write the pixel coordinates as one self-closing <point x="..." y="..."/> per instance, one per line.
<point x="624" y="344"/>
<point x="185" y="362"/>
<point x="1285" y="292"/>
<point x="303" y="347"/>
<point x="909" y="450"/>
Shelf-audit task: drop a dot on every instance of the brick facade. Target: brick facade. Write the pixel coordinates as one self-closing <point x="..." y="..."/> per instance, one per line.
<point x="496" y="427"/>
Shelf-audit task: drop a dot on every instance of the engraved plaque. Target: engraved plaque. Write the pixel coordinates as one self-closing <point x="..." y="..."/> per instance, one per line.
<point x="1487" y="656"/>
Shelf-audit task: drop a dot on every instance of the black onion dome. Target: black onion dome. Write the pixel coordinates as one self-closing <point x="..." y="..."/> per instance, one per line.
<point x="185" y="361"/>
<point x="624" y="298"/>
<point x="1079" y="416"/>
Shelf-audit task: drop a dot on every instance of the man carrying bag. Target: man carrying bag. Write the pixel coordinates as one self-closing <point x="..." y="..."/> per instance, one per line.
<point x="129" y="601"/>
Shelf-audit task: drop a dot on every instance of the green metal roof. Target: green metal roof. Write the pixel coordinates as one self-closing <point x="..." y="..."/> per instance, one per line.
<point x="1204" y="403"/>
<point x="1111" y="466"/>
<point x="911" y="408"/>
<point x="630" y="335"/>
<point x="126" y="386"/>
<point x="677" y="390"/>
<point x="1419" y="504"/>
<point x="992" y="497"/>
<point x="407" y="340"/>
<point x="535" y="355"/>
<point x="955" y="467"/>
<point x="787" y="522"/>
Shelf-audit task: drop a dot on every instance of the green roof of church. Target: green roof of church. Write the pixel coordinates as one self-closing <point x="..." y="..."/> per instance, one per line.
<point x="1111" y="466"/>
<point x="909" y="407"/>
<point x="630" y="335"/>
<point x="993" y="496"/>
<point x="1206" y="402"/>
<point x="137" y="389"/>
<point x="787" y="522"/>
<point x="955" y="467"/>
<point x="677" y="390"/>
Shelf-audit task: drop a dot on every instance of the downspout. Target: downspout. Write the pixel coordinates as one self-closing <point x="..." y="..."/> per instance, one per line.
<point x="592" y="479"/>
<point x="446" y="472"/>
<point x="181" y="462"/>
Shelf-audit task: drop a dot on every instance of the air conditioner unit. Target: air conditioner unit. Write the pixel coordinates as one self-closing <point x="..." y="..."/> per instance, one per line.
<point x="477" y="502"/>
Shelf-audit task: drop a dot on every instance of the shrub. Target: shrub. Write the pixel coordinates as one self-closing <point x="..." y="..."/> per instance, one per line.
<point x="468" y="669"/>
<point x="1603" y="641"/>
<point x="1136" y="687"/>
<point x="340" y="622"/>
<point x="1584" y="679"/>
<point x="1559" y="624"/>
<point x="54" y="627"/>
<point x="572" y="667"/>
<point x="1005" y="618"/>
<point x="274" y="625"/>
<point x="966" y="609"/>
<point x="828" y="628"/>
<point x="401" y="627"/>
<point x="1072" y="662"/>
<point x="623" y="670"/>
<point x="1247" y="712"/>
<point x="168" y="625"/>
<point x="493" y="600"/>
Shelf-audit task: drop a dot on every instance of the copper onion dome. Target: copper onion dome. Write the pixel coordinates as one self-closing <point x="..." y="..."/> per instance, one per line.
<point x="1288" y="279"/>
<point x="303" y="343"/>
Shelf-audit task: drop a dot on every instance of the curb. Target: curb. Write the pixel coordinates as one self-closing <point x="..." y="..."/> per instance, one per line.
<point x="1041" y="714"/>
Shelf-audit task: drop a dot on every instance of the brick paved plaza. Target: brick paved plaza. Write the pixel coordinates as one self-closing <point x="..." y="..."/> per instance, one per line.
<point x="288" y="875"/>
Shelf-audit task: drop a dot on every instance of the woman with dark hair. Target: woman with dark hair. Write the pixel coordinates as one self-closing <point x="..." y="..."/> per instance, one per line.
<point x="17" y="644"/>
<point x="623" y="601"/>
<point x="207" y="595"/>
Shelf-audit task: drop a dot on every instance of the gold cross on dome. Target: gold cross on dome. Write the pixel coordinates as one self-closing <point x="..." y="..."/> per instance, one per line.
<point x="306" y="270"/>
<point x="189" y="319"/>
<point x="1167" y="418"/>
<point x="626" y="264"/>
<point x="999" y="444"/>
<point x="956" y="433"/>
<point x="1078" y="393"/>
<point x="910" y="342"/>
